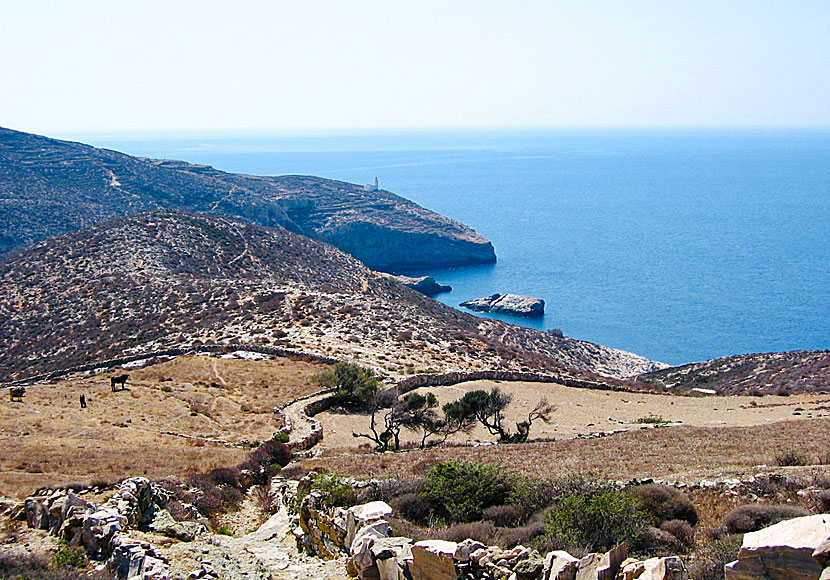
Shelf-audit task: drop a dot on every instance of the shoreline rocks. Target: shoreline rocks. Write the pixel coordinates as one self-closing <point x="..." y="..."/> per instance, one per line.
<point x="426" y="285"/>
<point x="513" y="304"/>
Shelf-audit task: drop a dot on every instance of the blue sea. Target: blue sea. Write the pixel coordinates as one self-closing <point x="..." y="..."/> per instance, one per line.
<point x="676" y="245"/>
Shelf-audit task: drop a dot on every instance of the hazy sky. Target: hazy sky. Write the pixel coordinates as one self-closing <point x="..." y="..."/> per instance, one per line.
<point x="90" y="66"/>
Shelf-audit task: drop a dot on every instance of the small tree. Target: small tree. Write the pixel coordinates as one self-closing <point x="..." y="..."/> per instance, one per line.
<point x="352" y="385"/>
<point x="391" y="414"/>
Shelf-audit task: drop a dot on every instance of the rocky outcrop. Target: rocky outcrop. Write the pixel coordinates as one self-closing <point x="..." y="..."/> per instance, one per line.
<point x="51" y="186"/>
<point x="783" y="551"/>
<point x="513" y="304"/>
<point x="80" y="523"/>
<point x="426" y="285"/>
<point x="669" y="568"/>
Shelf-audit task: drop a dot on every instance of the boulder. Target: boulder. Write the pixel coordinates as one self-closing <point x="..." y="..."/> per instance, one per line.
<point x="425" y="284"/>
<point x="783" y="551"/>
<point x="363" y="541"/>
<point x="601" y="566"/>
<point x="433" y="560"/>
<point x="529" y="568"/>
<point x="465" y="549"/>
<point x="392" y="557"/>
<point x="670" y="568"/>
<point x="559" y="565"/>
<point x="360" y="515"/>
<point x="514" y="304"/>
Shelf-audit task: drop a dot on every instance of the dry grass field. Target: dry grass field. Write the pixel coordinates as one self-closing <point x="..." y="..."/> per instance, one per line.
<point x="49" y="440"/>
<point x="684" y="453"/>
<point x="583" y="411"/>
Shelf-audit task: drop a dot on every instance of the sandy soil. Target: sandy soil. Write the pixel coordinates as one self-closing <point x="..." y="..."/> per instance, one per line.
<point x="583" y="411"/>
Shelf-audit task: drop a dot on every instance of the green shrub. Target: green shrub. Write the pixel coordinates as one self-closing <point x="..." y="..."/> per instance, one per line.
<point x="335" y="490"/>
<point x="459" y="491"/>
<point x="352" y="385"/>
<point x="596" y="520"/>
<point x="224" y="530"/>
<point x="282" y="437"/>
<point x="71" y="556"/>
<point x="664" y="503"/>
<point x="751" y="518"/>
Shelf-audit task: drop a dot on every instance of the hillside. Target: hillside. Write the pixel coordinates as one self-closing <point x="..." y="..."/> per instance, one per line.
<point x="48" y="186"/>
<point x="771" y="373"/>
<point x="165" y="279"/>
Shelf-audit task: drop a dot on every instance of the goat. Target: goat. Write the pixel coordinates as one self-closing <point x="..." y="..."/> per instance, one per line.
<point x="16" y="394"/>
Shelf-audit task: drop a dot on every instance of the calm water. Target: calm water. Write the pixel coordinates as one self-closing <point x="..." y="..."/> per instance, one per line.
<point x="679" y="246"/>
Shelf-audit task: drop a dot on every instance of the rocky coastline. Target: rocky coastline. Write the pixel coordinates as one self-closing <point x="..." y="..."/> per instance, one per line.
<point x="512" y="304"/>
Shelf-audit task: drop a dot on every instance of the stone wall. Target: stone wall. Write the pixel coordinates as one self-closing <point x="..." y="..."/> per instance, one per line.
<point x="455" y="377"/>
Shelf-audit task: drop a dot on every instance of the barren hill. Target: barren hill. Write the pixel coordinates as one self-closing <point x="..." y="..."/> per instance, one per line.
<point x="771" y="373"/>
<point x="48" y="186"/>
<point x="166" y="279"/>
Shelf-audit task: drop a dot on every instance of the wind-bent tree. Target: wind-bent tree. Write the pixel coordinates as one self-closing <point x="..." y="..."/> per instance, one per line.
<point x="418" y="413"/>
<point x="352" y="385"/>
<point x="488" y="409"/>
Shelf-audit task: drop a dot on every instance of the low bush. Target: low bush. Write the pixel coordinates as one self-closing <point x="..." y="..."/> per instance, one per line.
<point x="484" y="532"/>
<point x="658" y="542"/>
<point x="664" y="503"/>
<point x="72" y="557"/>
<point x="525" y="535"/>
<point x="504" y="515"/>
<point x="412" y="506"/>
<point x="596" y="520"/>
<point x="335" y="491"/>
<point x="37" y="567"/>
<point x="459" y="491"/>
<point x="791" y="458"/>
<point x="273" y="451"/>
<point x="717" y="554"/>
<point x="751" y="518"/>
<point x="683" y="531"/>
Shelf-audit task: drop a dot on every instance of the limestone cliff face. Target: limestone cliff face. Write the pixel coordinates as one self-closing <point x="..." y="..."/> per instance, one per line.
<point x="50" y="186"/>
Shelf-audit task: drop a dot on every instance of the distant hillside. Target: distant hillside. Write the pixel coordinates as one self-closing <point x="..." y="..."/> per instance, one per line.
<point x="772" y="373"/>
<point x="167" y="279"/>
<point x="48" y="186"/>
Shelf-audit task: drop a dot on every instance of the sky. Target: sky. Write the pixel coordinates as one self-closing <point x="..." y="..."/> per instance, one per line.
<point x="81" y="66"/>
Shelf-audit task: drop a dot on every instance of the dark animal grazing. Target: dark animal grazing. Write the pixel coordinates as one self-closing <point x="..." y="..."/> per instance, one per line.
<point x="119" y="380"/>
<point x="16" y="393"/>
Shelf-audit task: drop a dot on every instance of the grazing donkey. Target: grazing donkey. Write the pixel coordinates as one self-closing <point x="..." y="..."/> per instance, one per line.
<point x="119" y="380"/>
<point x="16" y="394"/>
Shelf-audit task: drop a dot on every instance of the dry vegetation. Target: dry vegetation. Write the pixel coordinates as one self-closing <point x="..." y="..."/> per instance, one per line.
<point x="684" y="453"/>
<point x="583" y="411"/>
<point x="50" y="440"/>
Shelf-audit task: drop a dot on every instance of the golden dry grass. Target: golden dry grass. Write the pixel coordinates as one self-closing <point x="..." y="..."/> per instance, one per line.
<point x="682" y="453"/>
<point x="50" y="440"/>
<point x="589" y="411"/>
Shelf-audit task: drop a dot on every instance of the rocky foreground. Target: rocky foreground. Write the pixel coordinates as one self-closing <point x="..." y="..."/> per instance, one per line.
<point x="50" y="186"/>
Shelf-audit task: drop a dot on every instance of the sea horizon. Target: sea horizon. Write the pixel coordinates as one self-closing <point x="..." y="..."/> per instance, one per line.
<point x="679" y="244"/>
